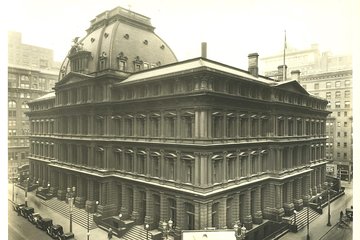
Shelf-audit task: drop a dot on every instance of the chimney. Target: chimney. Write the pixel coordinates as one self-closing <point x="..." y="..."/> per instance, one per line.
<point x="295" y="75"/>
<point x="203" y="49"/>
<point x="281" y="72"/>
<point x="253" y="64"/>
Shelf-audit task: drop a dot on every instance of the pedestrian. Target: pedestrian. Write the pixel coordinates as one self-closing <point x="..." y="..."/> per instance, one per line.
<point x="110" y="233"/>
<point x="341" y="215"/>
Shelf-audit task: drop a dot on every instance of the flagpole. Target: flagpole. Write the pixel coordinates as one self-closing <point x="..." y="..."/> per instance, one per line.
<point x="284" y="68"/>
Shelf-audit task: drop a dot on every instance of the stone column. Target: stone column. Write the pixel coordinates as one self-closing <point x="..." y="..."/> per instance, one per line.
<point x="80" y="198"/>
<point x="125" y="202"/>
<point x="90" y="201"/>
<point x="107" y="206"/>
<point x="178" y="167"/>
<point x="180" y="213"/>
<point x="62" y="188"/>
<point x="306" y="188"/>
<point x="235" y="208"/>
<point x="279" y="201"/>
<point x="298" y="202"/>
<point x="288" y="202"/>
<point x="257" y="202"/>
<point x="164" y="207"/>
<point x="222" y="212"/>
<point x="247" y="208"/>
<point x="149" y="218"/>
<point x="224" y="167"/>
<point x="136" y="204"/>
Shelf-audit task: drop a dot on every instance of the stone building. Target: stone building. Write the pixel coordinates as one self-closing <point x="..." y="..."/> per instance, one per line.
<point x="327" y="76"/>
<point x="31" y="73"/>
<point x="197" y="141"/>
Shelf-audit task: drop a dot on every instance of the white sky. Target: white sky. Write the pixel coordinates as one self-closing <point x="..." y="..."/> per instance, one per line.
<point x="232" y="28"/>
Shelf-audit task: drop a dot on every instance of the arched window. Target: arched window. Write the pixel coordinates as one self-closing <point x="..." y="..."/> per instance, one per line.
<point x="12" y="104"/>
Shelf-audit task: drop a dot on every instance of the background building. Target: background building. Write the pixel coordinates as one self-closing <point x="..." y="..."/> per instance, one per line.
<point x="198" y="142"/>
<point x="31" y="73"/>
<point x="327" y="76"/>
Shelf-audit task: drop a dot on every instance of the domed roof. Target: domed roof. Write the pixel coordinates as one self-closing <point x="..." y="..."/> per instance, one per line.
<point x="119" y="40"/>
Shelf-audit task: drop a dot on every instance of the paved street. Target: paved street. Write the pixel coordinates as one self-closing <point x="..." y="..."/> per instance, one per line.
<point x="20" y="228"/>
<point x="318" y="228"/>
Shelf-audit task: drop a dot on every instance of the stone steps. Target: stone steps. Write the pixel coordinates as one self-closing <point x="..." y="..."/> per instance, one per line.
<point x="137" y="232"/>
<point x="301" y="217"/>
<point x="79" y="216"/>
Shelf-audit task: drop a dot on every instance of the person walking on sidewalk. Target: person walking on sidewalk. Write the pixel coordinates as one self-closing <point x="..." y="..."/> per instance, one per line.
<point x="110" y="233"/>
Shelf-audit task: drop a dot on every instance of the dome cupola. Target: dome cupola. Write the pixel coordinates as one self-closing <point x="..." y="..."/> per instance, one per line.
<point x="118" y="40"/>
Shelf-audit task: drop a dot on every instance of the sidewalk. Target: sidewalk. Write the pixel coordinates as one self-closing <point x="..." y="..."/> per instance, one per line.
<point x="318" y="228"/>
<point x="79" y="231"/>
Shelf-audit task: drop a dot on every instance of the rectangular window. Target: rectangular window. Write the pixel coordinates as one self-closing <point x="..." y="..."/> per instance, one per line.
<point x="328" y="84"/>
<point x="338" y="134"/>
<point x="338" y="144"/>
<point x="328" y="95"/>
<point x="347" y="93"/>
<point x="345" y="134"/>
<point x="338" y="114"/>
<point x="337" y="84"/>
<point x="347" y="104"/>
<point x="347" y="83"/>
<point x="337" y="104"/>
<point x="316" y="86"/>
<point x="137" y="67"/>
<point x="345" y="144"/>
<point x="345" y="124"/>
<point x="337" y="94"/>
<point x="122" y="65"/>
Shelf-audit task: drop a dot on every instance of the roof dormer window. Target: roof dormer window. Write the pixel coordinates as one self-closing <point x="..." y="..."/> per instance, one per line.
<point x="122" y="62"/>
<point x="78" y="58"/>
<point x="137" y="64"/>
<point x="102" y="61"/>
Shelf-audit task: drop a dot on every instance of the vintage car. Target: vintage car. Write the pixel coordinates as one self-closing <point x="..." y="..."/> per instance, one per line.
<point x="34" y="217"/>
<point x="18" y="206"/>
<point x="26" y="211"/>
<point x="43" y="223"/>
<point x="56" y="231"/>
<point x="349" y="213"/>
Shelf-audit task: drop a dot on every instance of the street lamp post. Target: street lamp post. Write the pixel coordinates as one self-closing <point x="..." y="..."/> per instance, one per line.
<point x="307" y="221"/>
<point x="328" y="186"/>
<point x="13" y="187"/>
<point x="240" y="235"/>
<point x="70" y="196"/>
<point x="26" y="191"/>
<point x="147" y="226"/>
<point x="166" y="228"/>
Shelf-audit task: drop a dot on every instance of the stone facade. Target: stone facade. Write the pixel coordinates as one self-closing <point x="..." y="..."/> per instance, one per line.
<point x="198" y="142"/>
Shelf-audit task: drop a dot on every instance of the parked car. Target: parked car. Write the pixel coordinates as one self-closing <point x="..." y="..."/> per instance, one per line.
<point x="18" y="206"/>
<point x="34" y="217"/>
<point x="44" y="223"/>
<point x="56" y="231"/>
<point x="349" y="213"/>
<point x="26" y="211"/>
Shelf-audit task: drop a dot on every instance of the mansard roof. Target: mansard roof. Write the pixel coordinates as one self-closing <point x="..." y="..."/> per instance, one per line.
<point x="114" y="34"/>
